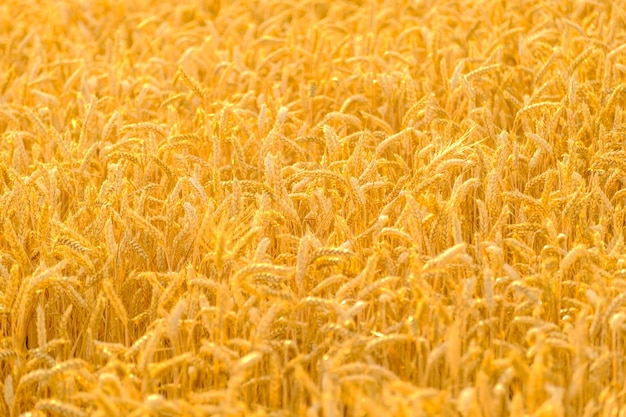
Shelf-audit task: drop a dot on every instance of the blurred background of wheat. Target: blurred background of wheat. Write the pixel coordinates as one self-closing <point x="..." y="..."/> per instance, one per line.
<point x="312" y="208"/>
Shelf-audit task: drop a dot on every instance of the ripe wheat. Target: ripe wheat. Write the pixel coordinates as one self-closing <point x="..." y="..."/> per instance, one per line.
<point x="312" y="208"/>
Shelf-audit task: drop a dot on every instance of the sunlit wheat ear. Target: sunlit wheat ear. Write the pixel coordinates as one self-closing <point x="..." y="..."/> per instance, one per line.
<point x="115" y="302"/>
<point x="192" y="84"/>
<point x="42" y="338"/>
<point x="264" y="326"/>
<point x="332" y="143"/>
<point x="89" y="113"/>
<point x="60" y="408"/>
<point x="240" y="371"/>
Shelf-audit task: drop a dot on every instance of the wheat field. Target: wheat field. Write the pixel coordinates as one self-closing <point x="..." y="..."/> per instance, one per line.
<point x="312" y="208"/>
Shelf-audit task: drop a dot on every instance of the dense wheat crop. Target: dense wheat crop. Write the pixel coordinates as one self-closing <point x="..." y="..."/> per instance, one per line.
<point x="320" y="208"/>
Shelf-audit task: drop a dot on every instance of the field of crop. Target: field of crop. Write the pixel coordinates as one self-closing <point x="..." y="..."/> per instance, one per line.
<point x="312" y="208"/>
